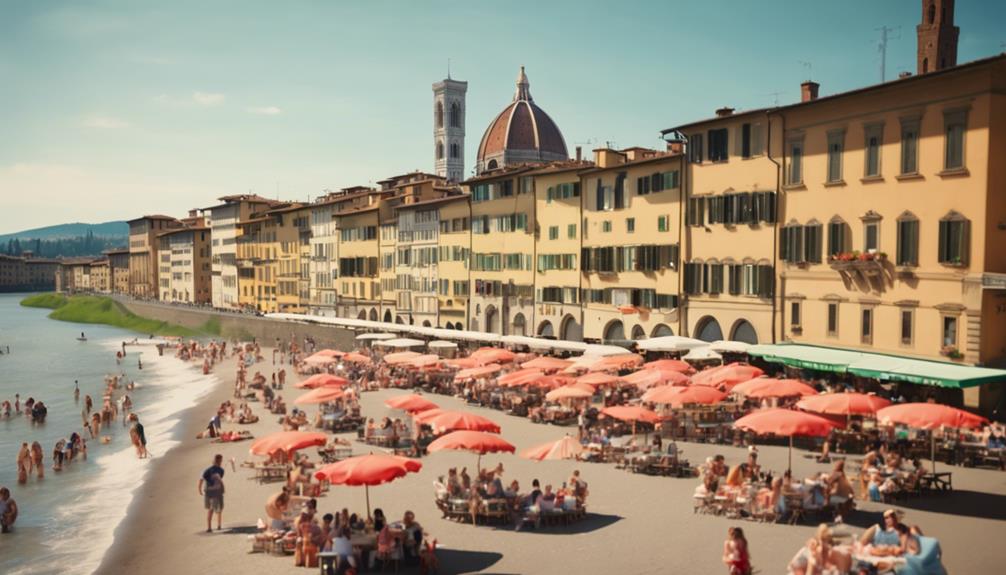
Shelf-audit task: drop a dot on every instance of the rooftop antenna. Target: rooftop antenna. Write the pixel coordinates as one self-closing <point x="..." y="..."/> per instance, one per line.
<point x="809" y="68"/>
<point x="882" y="48"/>
<point x="448" y="68"/>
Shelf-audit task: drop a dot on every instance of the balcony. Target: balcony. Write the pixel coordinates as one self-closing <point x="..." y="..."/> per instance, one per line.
<point x="867" y="263"/>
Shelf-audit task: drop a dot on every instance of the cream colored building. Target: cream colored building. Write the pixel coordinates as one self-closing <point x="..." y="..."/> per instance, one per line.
<point x="185" y="271"/>
<point x="101" y="276"/>
<point x="118" y="262"/>
<point x="358" y="282"/>
<point x="143" y="256"/>
<point x="417" y="258"/>
<point x="454" y="243"/>
<point x="631" y="209"/>
<point x="324" y="245"/>
<point x="224" y="220"/>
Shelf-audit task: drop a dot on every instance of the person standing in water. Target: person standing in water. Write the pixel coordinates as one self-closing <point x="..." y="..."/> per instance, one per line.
<point x="8" y="510"/>
<point x="138" y="436"/>
<point x="37" y="459"/>
<point x="23" y="463"/>
<point x="139" y="363"/>
<point x="76" y="391"/>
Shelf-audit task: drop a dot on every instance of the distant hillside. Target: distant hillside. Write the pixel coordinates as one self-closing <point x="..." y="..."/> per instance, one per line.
<point x="75" y="230"/>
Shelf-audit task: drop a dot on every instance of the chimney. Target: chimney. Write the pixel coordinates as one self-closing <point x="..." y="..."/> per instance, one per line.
<point x="808" y="91"/>
<point x="579" y="153"/>
<point x="724" y="112"/>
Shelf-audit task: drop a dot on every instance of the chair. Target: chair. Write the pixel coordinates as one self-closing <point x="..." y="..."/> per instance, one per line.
<point x="929" y="561"/>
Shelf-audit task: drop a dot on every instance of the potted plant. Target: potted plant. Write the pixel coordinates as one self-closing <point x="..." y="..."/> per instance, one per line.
<point x="952" y="352"/>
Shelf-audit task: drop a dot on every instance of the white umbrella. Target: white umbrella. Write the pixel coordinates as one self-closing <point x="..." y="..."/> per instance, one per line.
<point x="398" y="343"/>
<point x="723" y="346"/>
<point x="440" y="344"/>
<point x="671" y="343"/>
<point x="375" y="336"/>
<point x="701" y="354"/>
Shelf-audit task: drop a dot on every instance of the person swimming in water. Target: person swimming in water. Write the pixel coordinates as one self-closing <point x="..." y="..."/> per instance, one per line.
<point x="76" y="391"/>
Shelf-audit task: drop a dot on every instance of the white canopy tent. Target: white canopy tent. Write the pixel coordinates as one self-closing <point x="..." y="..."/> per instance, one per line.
<point x="375" y="336"/>
<point x="671" y="343"/>
<point x="723" y="346"/>
<point x="441" y="344"/>
<point x="400" y="343"/>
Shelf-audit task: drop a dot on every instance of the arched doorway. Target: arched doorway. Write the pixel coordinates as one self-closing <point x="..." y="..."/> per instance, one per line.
<point x="373" y="314"/>
<point x="661" y="330"/>
<point x="708" y="329"/>
<point x="519" y="325"/>
<point x="745" y="332"/>
<point x="492" y="321"/>
<point x="362" y="314"/>
<point x="399" y="320"/>
<point x="571" y="330"/>
<point x="614" y="331"/>
<point x="426" y="323"/>
<point x="545" y="329"/>
<point x="387" y="316"/>
<point x="638" y="332"/>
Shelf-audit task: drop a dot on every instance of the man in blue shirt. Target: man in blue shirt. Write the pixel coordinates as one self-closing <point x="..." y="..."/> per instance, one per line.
<point x="213" y="494"/>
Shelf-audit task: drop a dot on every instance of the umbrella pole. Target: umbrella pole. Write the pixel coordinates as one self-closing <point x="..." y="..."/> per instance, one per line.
<point x="367" y="489"/>
<point x="790" y="464"/>
<point x="932" y="449"/>
<point x="478" y="465"/>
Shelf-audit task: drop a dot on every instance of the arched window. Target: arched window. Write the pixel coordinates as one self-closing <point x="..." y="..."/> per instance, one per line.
<point x="440" y="114"/>
<point x="492" y="165"/>
<point x="932" y="12"/>
<point x="571" y="329"/>
<point x="440" y="150"/>
<point x="708" y="329"/>
<point x="455" y="115"/>
<point x="745" y="332"/>
<point x="519" y="324"/>
<point x="545" y="329"/>
<point x="638" y="332"/>
<point x="454" y="150"/>
<point x="615" y="331"/>
<point x="661" y="330"/>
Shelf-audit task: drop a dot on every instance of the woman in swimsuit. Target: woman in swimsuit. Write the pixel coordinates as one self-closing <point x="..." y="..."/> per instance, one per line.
<point x="735" y="552"/>
<point x="36" y="459"/>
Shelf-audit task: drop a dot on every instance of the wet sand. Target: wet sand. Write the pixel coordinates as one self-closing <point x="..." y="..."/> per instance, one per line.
<point x="637" y="523"/>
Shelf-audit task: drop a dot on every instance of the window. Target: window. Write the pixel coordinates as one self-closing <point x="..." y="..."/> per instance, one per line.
<point x="695" y="148"/>
<point x="874" y="137"/>
<point x="794" y="175"/>
<point x="662" y="224"/>
<point x="440" y="114"/>
<point x="949" y="331"/>
<point x="714" y="281"/>
<point x="440" y="150"/>
<point x="908" y="240"/>
<point x="745" y="140"/>
<point x="837" y="237"/>
<point x="525" y="185"/>
<point x="909" y="146"/>
<point x="836" y="144"/>
<point x="455" y="115"/>
<point x="757" y="139"/>
<point x="606" y="226"/>
<point x="571" y="231"/>
<point x="866" y="326"/>
<point x="693" y="278"/>
<point x="791" y="248"/>
<point x="734" y="279"/>
<point x="954" y="124"/>
<point x="455" y="150"/>
<point x="553" y="232"/>
<point x="954" y="239"/>
<point x="812" y="242"/>
<point x="871" y="236"/>
<point x="794" y="314"/>
<point x="696" y="214"/>
<point x="718" y="142"/>
<point x="630" y="225"/>
<point x="833" y="319"/>
<point x="907" y="321"/>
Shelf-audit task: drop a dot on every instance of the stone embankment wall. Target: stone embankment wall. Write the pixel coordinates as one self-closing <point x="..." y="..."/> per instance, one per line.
<point x="243" y="326"/>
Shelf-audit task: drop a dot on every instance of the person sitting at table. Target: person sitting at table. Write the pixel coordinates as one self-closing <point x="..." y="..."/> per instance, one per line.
<point x="369" y="430"/>
<point x="671" y="457"/>
<point x="387" y="546"/>
<point x="513" y="490"/>
<point x="342" y="547"/>
<point x="535" y="495"/>
<point x="736" y="476"/>
<point x="720" y="466"/>
<point x="379" y="520"/>
<point x="453" y="483"/>
<point x="466" y="480"/>
<point x="754" y="469"/>
<point x="547" y="499"/>
<point x="839" y="491"/>
<point x="883" y="540"/>
<point x="412" y="538"/>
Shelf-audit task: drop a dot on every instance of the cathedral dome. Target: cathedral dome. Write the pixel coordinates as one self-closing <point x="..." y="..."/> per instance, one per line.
<point x="521" y="133"/>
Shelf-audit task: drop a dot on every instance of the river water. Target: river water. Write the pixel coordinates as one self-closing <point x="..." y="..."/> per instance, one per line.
<point x="67" y="520"/>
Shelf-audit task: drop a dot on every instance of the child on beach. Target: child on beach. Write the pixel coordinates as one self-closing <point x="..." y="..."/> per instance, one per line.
<point x="735" y="552"/>
<point x="137" y="435"/>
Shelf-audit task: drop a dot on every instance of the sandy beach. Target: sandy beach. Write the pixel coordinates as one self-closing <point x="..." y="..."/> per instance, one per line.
<point x="636" y="523"/>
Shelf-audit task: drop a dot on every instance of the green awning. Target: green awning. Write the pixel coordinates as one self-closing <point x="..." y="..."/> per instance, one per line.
<point x="878" y="365"/>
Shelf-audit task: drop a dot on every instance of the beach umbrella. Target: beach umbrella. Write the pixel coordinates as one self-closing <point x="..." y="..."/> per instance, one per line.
<point x="426" y="360"/>
<point x="401" y="357"/>
<point x="669" y="365"/>
<point x="785" y="423"/>
<point x="454" y="420"/>
<point x="422" y="416"/>
<point x="461" y="363"/>
<point x="547" y="363"/>
<point x="646" y="378"/>
<point x="929" y="416"/>
<point x="678" y="396"/>
<point x="321" y="359"/>
<point x="329" y="353"/>
<point x="574" y="391"/>
<point x="565" y="448"/>
<point x="475" y="441"/>
<point x="726" y="376"/>
<point x="631" y="413"/>
<point x="487" y="355"/>
<point x="598" y="379"/>
<point x="410" y="402"/>
<point x="368" y="470"/>
<point x="670" y="343"/>
<point x="320" y="395"/>
<point x="843" y="404"/>
<point x="375" y="336"/>
<point x="723" y="346"/>
<point x="354" y="357"/>
<point x="399" y="343"/>
<point x="616" y="362"/>
<point x="477" y="372"/>
<point x="287" y="441"/>
<point x="322" y="380"/>
<point x="515" y="378"/>
<point x="768" y="387"/>
<point x="441" y="344"/>
<point x="701" y="354"/>
<point x="549" y="381"/>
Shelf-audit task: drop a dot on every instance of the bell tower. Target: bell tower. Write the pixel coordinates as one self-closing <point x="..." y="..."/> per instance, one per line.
<point x="937" y="36"/>
<point x="449" y="128"/>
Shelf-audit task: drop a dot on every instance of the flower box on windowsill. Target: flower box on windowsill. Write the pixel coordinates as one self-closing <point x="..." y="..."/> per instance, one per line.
<point x="866" y="261"/>
<point x="951" y="352"/>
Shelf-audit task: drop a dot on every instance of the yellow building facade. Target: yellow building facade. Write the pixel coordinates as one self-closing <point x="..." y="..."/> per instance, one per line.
<point x="454" y="242"/>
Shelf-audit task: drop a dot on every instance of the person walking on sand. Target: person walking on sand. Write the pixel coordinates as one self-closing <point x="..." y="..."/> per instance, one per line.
<point x="137" y="435"/>
<point x="211" y="487"/>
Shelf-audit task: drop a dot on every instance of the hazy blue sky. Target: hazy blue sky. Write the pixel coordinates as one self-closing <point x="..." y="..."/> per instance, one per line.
<point x="110" y="109"/>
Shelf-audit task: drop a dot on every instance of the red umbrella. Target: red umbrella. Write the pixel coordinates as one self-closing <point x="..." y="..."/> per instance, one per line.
<point x="617" y="362"/>
<point x="401" y="357"/>
<point x="515" y="378"/>
<point x="453" y="420"/>
<point x="769" y="387"/>
<point x="368" y="470"/>
<point x="477" y="372"/>
<point x="547" y="363"/>
<point x="317" y="359"/>
<point x="354" y="357"/>
<point x="670" y="365"/>
<point x="461" y="363"/>
<point x="410" y="402"/>
<point x="287" y="441"/>
<point x="426" y="360"/>
<point x="320" y="395"/>
<point x="786" y="423"/>
<point x="492" y="355"/>
<point x="678" y="396"/>
<point x="646" y="378"/>
<point x="726" y="376"/>
<point x="930" y="416"/>
<point x="598" y="379"/>
<point x="322" y="380"/>
<point x="574" y="391"/>
<point x="474" y="441"/>
<point x="631" y="413"/>
<point x="549" y="381"/>
<point x="565" y="448"/>
<point x="422" y="416"/>
<point x="330" y="353"/>
<point x="843" y="403"/>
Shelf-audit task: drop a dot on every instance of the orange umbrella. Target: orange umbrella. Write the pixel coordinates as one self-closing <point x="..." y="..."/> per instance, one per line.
<point x="726" y="376"/>
<point x="515" y="378"/>
<point x="769" y="387"/>
<point x="631" y="413"/>
<point x="401" y="357"/>
<point x="410" y="402"/>
<point x="843" y="403"/>
<point x="598" y="379"/>
<point x="549" y="381"/>
<point x="426" y="360"/>
<point x="670" y="365"/>
<point x="646" y="378"/>
<point x="565" y="448"/>
<point x="287" y="441"/>
<point x="452" y="420"/>
<point x="617" y="362"/>
<point x="574" y="391"/>
<point x="547" y="363"/>
<point x="474" y="441"/>
<point x="320" y="395"/>
<point x="422" y="416"/>
<point x="330" y="353"/>
<point x="930" y="416"/>
<point x="786" y="423"/>
<point x="492" y="355"/>
<point x="354" y="357"/>
<point x="477" y="372"/>
<point x="322" y="380"/>
<point x="461" y="363"/>
<point x="678" y="396"/>
<point x="321" y="359"/>
<point x="368" y="470"/>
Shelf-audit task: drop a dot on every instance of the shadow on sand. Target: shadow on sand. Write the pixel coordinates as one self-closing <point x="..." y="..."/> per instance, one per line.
<point x="961" y="502"/>
<point x="592" y="522"/>
<point x="461" y="561"/>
